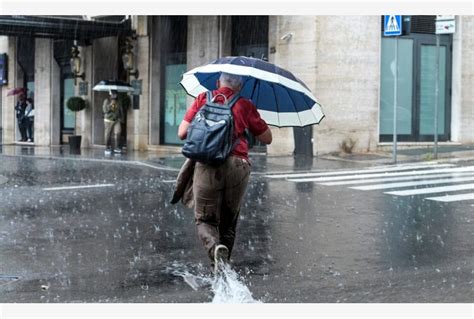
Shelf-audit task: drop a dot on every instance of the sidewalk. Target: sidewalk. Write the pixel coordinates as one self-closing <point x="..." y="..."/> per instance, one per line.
<point x="419" y="154"/>
<point x="261" y="164"/>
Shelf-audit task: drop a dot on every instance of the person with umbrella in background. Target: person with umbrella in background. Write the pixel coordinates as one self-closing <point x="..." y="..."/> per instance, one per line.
<point x="20" y="108"/>
<point x="114" y="113"/>
<point x="114" y="117"/>
<point x="268" y="95"/>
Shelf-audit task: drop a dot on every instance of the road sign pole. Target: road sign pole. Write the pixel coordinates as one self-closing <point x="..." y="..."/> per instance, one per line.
<point x="395" y="93"/>
<point x="436" y="104"/>
<point x="393" y="27"/>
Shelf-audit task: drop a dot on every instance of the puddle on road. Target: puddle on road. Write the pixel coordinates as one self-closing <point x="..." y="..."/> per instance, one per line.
<point x="7" y="279"/>
<point x="227" y="287"/>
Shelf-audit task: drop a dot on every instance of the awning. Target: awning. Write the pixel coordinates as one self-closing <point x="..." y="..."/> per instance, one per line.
<point x="60" y="27"/>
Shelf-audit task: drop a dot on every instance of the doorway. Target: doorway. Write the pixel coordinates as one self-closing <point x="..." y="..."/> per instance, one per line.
<point x="26" y="70"/>
<point x="171" y="57"/>
<point x="416" y="88"/>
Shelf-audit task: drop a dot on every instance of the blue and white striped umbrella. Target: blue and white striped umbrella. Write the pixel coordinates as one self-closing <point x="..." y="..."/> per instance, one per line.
<point x="280" y="97"/>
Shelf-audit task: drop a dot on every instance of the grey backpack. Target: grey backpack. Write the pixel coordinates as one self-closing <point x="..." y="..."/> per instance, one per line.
<point x="210" y="137"/>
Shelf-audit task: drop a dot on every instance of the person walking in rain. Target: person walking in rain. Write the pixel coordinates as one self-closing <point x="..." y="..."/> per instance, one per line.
<point x="20" y="108"/>
<point x="114" y="117"/>
<point x="218" y="191"/>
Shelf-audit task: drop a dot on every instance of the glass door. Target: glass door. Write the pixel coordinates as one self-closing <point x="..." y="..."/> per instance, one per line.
<point x="416" y="88"/>
<point x="404" y="90"/>
<point x="426" y="93"/>
<point x="173" y="64"/>
<point x="68" y="116"/>
<point x="175" y="101"/>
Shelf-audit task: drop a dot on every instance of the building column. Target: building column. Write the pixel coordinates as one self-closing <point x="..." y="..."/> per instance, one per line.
<point x="84" y="117"/>
<point x="289" y="53"/>
<point x="138" y="120"/>
<point x="463" y="90"/>
<point x="47" y="95"/>
<point x="204" y="41"/>
<point x="347" y="81"/>
<point x="9" y="124"/>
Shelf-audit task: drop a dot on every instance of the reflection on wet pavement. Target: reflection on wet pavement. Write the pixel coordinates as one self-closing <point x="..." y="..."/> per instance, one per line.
<point x="298" y="242"/>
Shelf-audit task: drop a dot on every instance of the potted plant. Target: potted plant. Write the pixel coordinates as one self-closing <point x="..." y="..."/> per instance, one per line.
<point x="75" y="104"/>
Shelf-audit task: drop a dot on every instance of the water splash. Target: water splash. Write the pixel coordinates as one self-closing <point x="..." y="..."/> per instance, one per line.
<point x="229" y="288"/>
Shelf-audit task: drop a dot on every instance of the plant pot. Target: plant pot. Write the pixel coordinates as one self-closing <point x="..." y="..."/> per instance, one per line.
<point x="75" y="144"/>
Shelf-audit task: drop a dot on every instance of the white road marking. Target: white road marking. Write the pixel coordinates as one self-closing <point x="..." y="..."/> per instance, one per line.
<point x="374" y="170"/>
<point x="158" y="167"/>
<point x="453" y="198"/>
<point x="432" y="190"/>
<point x="76" y="187"/>
<point x="417" y="183"/>
<point x="396" y="179"/>
<point x="169" y="181"/>
<point x="347" y="177"/>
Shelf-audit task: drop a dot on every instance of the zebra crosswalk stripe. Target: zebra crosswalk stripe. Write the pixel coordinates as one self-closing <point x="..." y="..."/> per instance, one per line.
<point x="407" y="179"/>
<point x="372" y="170"/>
<point x="417" y="183"/>
<point x="359" y="176"/>
<point x="432" y="190"/>
<point x="395" y="179"/>
<point x="453" y="198"/>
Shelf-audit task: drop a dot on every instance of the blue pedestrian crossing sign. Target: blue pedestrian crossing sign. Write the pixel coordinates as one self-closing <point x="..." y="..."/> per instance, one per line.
<point x="392" y="25"/>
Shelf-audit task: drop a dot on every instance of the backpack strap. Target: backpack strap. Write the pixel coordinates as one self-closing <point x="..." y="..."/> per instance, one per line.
<point x="234" y="100"/>
<point x="209" y="96"/>
<point x="229" y="103"/>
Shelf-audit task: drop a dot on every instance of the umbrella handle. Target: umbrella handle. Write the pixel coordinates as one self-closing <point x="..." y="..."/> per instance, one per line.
<point x="225" y="98"/>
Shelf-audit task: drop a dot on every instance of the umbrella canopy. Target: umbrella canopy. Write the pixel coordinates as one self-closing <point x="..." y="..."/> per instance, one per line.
<point x="16" y="91"/>
<point x="281" y="98"/>
<point x="113" y="86"/>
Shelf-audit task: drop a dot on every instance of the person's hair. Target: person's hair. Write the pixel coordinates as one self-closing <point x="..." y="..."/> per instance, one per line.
<point x="230" y="80"/>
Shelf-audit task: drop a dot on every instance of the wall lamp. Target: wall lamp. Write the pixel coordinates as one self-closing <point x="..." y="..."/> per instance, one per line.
<point x="128" y="59"/>
<point x="76" y="63"/>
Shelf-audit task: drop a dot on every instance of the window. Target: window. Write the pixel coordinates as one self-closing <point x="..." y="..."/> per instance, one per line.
<point x="69" y="117"/>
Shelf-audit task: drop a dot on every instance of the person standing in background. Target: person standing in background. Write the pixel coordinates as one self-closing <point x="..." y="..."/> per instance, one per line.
<point x="114" y="117"/>
<point x="20" y="116"/>
<point x="30" y="119"/>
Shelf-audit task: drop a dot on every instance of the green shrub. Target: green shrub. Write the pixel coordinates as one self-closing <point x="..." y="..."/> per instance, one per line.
<point x="76" y="103"/>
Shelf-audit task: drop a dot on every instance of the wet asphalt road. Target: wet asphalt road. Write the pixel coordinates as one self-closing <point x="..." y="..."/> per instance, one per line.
<point x="296" y="242"/>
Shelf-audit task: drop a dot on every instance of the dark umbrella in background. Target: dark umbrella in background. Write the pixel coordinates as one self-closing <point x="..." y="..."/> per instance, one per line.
<point x="281" y="98"/>
<point x="16" y="91"/>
